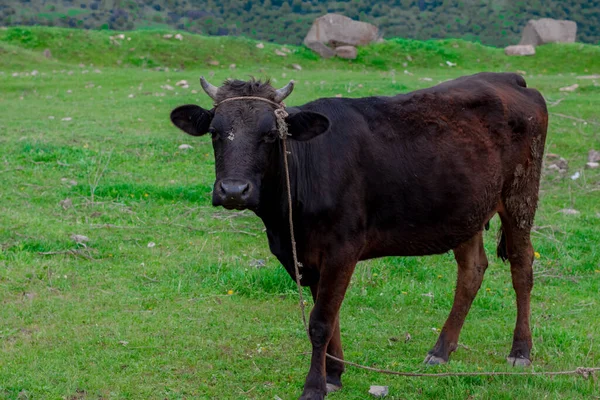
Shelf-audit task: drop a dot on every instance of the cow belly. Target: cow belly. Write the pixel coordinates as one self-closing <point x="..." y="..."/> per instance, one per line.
<point x="429" y="225"/>
<point x="415" y="243"/>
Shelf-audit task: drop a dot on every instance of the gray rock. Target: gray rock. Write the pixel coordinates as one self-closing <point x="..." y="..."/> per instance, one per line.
<point x="570" y="88"/>
<point x="379" y="391"/>
<point x="569" y="211"/>
<point x="520" y="50"/>
<point x="47" y="53"/>
<point x="66" y="203"/>
<point x="80" y="239"/>
<point x="347" y="52"/>
<point x="556" y="162"/>
<point x="320" y="48"/>
<point x="594" y="156"/>
<point x="548" y="30"/>
<point x="337" y="30"/>
<point x="592" y="165"/>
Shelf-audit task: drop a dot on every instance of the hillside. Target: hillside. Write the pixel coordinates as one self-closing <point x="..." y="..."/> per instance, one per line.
<point x="150" y="49"/>
<point x="491" y="22"/>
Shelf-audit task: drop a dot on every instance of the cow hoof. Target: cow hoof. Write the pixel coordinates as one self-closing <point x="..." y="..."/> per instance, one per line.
<point x="332" y="388"/>
<point x="518" y="361"/>
<point x="433" y="360"/>
<point x="312" y="396"/>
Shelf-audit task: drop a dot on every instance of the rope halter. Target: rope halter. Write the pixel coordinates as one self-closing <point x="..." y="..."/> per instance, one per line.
<point x="280" y="113"/>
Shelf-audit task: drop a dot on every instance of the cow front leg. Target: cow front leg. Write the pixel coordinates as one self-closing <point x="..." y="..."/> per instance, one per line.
<point x="324" y="323"/>
<point x="334" y="369"/>
<point x="472" y="263"/>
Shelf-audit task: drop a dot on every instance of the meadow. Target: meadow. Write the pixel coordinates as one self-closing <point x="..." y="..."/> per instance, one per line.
<point x="170" y="298"/>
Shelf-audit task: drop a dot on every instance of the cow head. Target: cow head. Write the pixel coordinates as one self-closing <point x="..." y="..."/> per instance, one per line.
<point x="245" y="136"/>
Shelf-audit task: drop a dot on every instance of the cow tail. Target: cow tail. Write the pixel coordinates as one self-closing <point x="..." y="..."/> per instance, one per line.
<point x="501" y="250"/>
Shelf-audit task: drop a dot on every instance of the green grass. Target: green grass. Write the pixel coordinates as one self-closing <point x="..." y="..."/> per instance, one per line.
<point x="142" y="322"/>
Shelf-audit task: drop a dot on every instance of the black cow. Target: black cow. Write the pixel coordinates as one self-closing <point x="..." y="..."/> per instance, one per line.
<point x="409" y="175"/>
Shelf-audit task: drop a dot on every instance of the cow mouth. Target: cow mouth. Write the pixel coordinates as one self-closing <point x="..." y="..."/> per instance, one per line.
<point x="234" y="206"/>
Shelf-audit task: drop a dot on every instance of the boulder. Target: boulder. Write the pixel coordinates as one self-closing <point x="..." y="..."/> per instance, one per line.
<point x="548" y="30"/>
<point x="520" y="50"/>
<point x="335" y="30"/>
<point x="320" y="49"/>
<point x="348" y="52"/>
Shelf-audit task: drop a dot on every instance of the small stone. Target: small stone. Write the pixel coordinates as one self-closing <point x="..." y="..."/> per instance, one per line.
<point x="592" y="165"/>
<point x="66" y="119"/>
<point x="69" y="91"/>
<point x="571" y="88"/>
<point x="575" y="176"/>
<point x="450" y="64"/>
<point x="297" y="67"/>
<point x="260" y="46"/>
<point x="121" y="36"/>
<point x="47" y="53"/>
<point x="520" y="50"/>
<point x="556" y="162"/>
<point x="151" y="244"/>
<point x="168" y="36"/>
<point x="214" y="63"/>
<point x="182" y="82"/>
<point x="66" y="203"/>
<point x="51" y="117"/>
<point x="280" y="53"/>
<point x="79" y="239"/>
<point x="34" y="72"/>
<point x="378" y="391"/>
<point x="185" y="147"/>
<point x="178" y="36"/>
<point x="594" y="156"/>
<point x="257" y="263"/>
<point x="569" y="211"/>
<point x="131" y="96"/>
<point x="167" y="87"/>
<point x="232" y="66"/>
<point x="338" y="95"/>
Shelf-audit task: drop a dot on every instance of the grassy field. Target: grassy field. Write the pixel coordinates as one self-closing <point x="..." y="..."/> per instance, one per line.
<point x="171" y="298"/>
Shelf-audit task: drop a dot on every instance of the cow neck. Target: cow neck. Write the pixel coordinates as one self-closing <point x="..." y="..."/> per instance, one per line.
<point x="273" y="209"/>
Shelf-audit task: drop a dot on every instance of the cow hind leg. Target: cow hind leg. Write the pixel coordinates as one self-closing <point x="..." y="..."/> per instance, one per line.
<point x="519" y="252"/>
<point x="472" y="264"/>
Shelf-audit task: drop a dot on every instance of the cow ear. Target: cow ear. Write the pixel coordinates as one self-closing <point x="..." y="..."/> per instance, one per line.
<point x="192" y="119"/>
<point x="305" y="125"/>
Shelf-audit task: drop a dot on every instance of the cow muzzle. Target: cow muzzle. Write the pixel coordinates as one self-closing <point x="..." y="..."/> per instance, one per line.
<point x="233" y="194"/>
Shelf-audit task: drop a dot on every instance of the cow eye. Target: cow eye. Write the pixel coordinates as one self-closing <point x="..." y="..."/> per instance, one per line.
<point x="271" y="136"/>
<point x="213" y="132"/>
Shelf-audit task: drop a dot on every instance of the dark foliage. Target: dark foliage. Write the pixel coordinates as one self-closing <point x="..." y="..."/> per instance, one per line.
<point x="491" y="22"/>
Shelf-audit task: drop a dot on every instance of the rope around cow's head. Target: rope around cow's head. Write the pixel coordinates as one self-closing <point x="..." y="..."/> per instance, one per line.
<point x="280" y="113"/>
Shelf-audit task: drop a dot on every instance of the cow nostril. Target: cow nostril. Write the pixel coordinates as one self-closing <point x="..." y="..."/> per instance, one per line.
<point x="222" y="189"/>
<point x="245" y="189"/>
